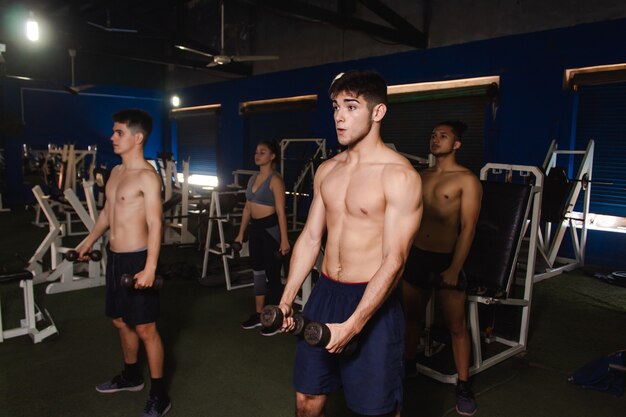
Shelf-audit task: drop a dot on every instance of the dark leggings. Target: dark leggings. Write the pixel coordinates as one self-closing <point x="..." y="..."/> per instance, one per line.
<point x="264" y="236"/>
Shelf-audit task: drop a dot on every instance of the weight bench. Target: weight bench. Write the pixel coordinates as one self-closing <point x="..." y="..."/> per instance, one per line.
<point x="32" y="313"/>
<point x="509" y="212"/>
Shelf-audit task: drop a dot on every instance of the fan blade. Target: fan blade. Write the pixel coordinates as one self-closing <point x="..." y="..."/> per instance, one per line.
<point x="110" y="29"/>
<point x="195" y="51"/>
<point x="78" y="88"/>
<point x="20" y="77"/>
<point x="249" y="58"/>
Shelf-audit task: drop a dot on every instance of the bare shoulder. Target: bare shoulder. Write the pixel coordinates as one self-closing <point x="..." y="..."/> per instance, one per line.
<point x="149" y="177"/>
<point x="396" y="164"/>
<point x="468" y="177"/>
<point x="115" y="171"/>
<point x="398" y="173"/>
<point x="469" y="183"/>
<point x="327" y="166"/>
<point x="277" y="176"/>
<point x="277" y="180"/>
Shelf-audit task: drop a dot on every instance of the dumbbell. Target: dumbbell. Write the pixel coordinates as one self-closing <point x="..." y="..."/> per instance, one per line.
<point x="278" y="255"/>
<point x="236" y="246"/>
<point x="272" y="319"/>
<point x="128" y="281"/>
<point x="460" y="286"/>
<point x="72" y="255"/>
<point x="318" y="334"/>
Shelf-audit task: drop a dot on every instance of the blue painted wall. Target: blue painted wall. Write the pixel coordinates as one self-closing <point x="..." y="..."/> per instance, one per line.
<point x="533" y="107"/>
<point x="53" y="116"/>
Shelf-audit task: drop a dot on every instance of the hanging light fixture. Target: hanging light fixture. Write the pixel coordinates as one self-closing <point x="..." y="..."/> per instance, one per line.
<point x="32" y="28"/>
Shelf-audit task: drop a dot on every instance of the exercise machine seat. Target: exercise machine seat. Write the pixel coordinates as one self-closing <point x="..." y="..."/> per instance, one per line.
<point x="494" y="248"/>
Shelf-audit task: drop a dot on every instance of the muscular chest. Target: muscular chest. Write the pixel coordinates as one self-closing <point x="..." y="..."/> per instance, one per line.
<point x="123" y="191"/>
<point x="440" y="195"/>
<point x="356" y="193"/>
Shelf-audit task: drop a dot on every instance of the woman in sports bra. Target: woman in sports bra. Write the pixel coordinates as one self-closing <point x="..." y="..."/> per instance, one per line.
<point x="264" y="213"/>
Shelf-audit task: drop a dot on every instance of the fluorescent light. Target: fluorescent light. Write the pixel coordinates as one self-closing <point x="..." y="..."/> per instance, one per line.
<point x="199" y="179"/>
<point x="442" y="85"/>
<point x="32" y="30"/>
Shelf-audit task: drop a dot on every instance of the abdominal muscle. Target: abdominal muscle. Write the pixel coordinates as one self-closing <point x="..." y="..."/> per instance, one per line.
<point x="353" y="250"/>
<point x="129" y="231"/>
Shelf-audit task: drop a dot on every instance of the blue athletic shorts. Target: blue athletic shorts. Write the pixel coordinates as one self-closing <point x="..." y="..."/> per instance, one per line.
<point x="371" y="378"/>
<point x="133" y="306"/>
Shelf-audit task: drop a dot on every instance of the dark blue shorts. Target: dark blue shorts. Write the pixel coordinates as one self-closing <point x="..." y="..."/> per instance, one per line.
<point x="423" y="269"/>
<point x="371" y="378"/>
<point x="133" y="306"/>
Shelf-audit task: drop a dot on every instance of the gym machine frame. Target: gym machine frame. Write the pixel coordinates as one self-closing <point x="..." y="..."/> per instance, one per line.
<point x="309" y="168"/>
<point x="216" y="216"/>
<point x="513" y="345"/>
<point x="63" y="270"/>
<point x="175" y="231"/>
<point x="73" y="161"/>
<point x="551" y="237"/>
<point x="32" y="314"/>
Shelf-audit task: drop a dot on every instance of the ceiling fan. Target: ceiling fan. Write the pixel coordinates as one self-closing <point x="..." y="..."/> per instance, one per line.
<point x="73" y="88"/>
<point x="222" y="58"/>
<point x="108" y="27"/>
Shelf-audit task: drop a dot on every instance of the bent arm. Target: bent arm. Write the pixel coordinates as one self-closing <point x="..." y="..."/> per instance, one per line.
<point x="470" y="209"/>
<point x="154" y="223"/>
<point x="101" y="226"/>
<point x="245" y="220"/>
<point x="278" y="189"/>
<point x="307" y="247"/>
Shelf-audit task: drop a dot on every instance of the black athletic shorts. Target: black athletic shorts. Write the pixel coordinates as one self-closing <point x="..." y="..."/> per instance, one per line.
<point x="423" y="269"/>
<point x="133" y="306"/>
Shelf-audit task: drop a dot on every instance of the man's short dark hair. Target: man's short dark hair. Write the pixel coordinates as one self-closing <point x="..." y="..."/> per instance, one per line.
<point x="457" y="126"/>
<point x="368" y="84"/>
<point x="136" y="120"/>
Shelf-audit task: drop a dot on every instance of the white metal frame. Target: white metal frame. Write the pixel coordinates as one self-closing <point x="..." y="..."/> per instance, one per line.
<point x="518" y="344"/>
<point x="216" y="216"/>
<point x="309" y="168"/>
<point x="61" y="275"/>
<point x="175" y="231"/>
<point x="551" y="235"/>
<point x="32" y="314"/>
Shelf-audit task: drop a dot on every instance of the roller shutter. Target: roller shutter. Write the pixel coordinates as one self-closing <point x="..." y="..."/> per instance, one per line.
<point x="602" y="117"/>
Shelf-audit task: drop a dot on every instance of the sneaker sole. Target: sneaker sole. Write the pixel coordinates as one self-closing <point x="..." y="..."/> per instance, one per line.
<point x="111" y="391"/>
<point x="251" y="327"/>
<point x="270" y="334"/>
<point x="464" y="414"/>
<point x="168" y="408"/>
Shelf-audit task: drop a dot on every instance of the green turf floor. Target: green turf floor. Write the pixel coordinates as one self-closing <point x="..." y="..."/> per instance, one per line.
<point x="216" y="369"/>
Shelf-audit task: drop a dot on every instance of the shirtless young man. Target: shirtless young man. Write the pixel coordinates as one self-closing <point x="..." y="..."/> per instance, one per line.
<point x="452" y="196"/>
<point x="133" y="212"/>
<point x="368" y="201"/>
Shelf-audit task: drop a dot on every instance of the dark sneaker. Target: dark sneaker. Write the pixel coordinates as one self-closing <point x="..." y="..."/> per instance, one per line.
<point x="252" y="322"/>
<point x="465" y="403"/>
<point x="157" y="407"/>
<point x="119" y="383"/>
<point x="266" y="331"/>
<point x="410" y="370"/>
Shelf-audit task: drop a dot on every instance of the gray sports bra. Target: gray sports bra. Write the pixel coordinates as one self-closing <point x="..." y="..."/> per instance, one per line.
<point x="263" y="194"/>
